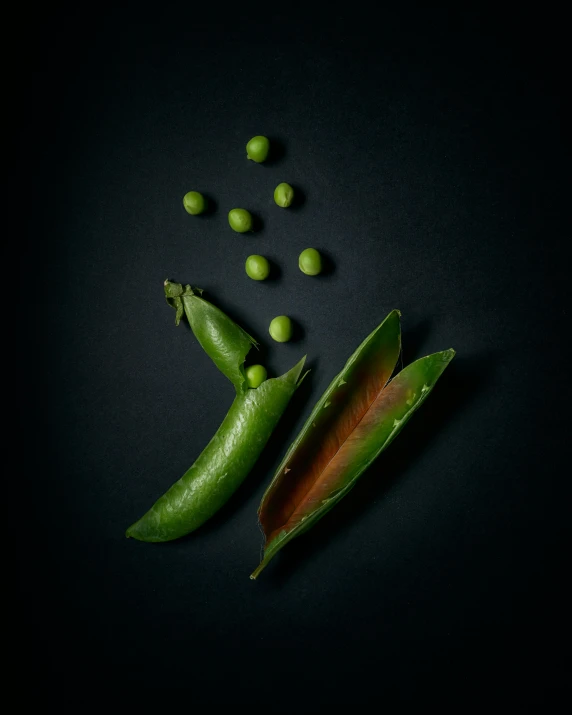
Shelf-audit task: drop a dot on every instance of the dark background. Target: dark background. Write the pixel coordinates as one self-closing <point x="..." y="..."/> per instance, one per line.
<point x="426" y="148"/>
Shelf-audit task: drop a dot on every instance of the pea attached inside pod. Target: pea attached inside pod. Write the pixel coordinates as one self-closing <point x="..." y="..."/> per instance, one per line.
<point x="255" y="375"/>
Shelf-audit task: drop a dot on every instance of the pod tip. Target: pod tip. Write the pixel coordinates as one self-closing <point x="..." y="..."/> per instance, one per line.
<point x="254" y="575"/>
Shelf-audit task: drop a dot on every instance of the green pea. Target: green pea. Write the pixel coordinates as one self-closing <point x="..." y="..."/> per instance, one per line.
<point x="240" y="220"/>
<point x="281" y="329"/>
<point x="257" y="149"/>
<point x="283" y="195"/>
<point x="310" y="262"/>
<point x="257" y="267"/>
<point x="194" y="203"/>
<point x="255" y="375"/>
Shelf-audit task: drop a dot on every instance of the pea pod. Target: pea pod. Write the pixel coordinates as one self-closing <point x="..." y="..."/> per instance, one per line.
<point x="356" y="418"/>
<point x="226" y="343"/>
<point x="237" y="444"/>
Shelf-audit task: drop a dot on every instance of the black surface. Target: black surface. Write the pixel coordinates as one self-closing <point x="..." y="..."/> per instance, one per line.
<point x="427" y="151"/>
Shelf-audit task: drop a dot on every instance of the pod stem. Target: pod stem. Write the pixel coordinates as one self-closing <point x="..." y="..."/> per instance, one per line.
<point x="269" y="553"/>
<point x="257" y="571"/>
<point x="174" y="293"/>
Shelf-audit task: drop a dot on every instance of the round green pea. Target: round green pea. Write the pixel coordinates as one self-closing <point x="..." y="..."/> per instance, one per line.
<point x="281" y="329"/>
<point x="194" y="203"/>
<point x="310" y="262"/>
<point x="257" y="149"/>
<point x="255" y="375"/>
<point x="257" y="267"/>
<point x="240" y="220"/>
<point x="283" y="195"/>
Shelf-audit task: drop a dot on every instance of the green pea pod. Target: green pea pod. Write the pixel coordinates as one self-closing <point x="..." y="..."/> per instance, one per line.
<point x="226" y="343"/>
<point x="237" y="444"/>
<point x="356" y="418"/>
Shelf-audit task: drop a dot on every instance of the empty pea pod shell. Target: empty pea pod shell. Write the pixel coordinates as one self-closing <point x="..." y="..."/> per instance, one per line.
<point x="356" y="418"/>
<point x="232" y="452"/>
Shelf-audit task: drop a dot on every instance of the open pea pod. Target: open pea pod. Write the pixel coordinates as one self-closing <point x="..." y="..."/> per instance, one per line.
<point x="356" y="418"/>
<point x="225" y="342"/>
<point x="232" y="452"/>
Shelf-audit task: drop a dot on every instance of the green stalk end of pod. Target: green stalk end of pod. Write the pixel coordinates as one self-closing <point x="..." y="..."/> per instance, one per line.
<point x="174" y="293"/>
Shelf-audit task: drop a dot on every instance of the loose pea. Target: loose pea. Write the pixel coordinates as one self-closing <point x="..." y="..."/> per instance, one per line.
<point x="194" y="203"/>
<point x="310" y="262"/>
<point x="257" y="267"/>
<point x="255" y="375"/>
<point x="257" y="149"/>
<point x="240" y="220"/>
<point x="281" y="329"/>
<point x="283" y="195"/>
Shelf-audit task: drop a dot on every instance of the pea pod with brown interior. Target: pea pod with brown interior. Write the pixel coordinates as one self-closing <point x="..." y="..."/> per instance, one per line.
<point x="232" y="452"/>
<point x="356" y="418"/>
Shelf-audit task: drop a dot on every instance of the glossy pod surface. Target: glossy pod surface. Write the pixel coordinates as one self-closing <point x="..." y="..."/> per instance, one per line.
<point x="237" y="444"/>
<point x="223" y="464"/>
<point x="225" y="342"/>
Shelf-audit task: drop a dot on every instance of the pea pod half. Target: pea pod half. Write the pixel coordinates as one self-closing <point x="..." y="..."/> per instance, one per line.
<point x="237" y="444"/>
<point x="225" y="342"/>
<point x="356" y="418"/>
